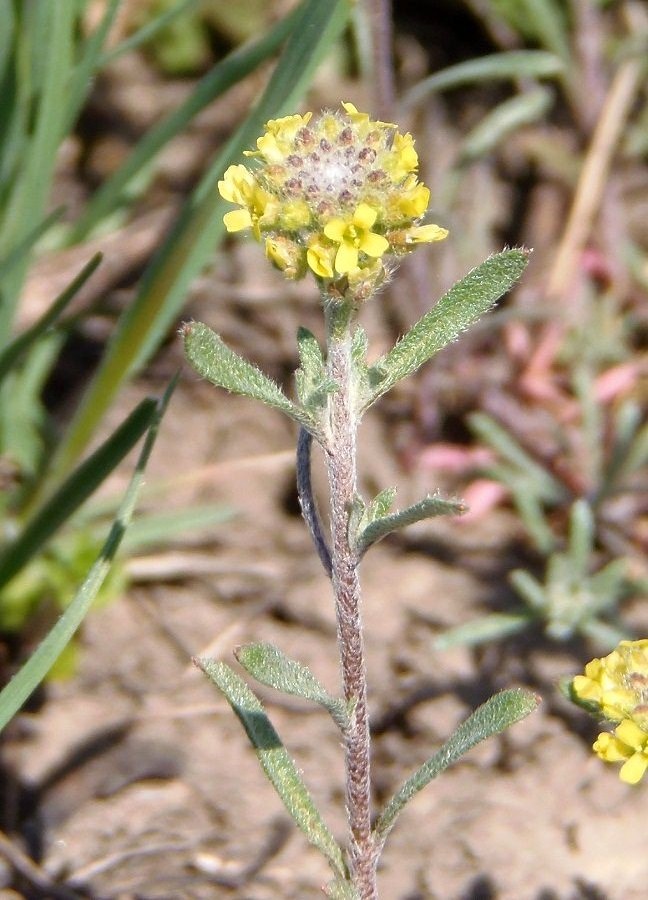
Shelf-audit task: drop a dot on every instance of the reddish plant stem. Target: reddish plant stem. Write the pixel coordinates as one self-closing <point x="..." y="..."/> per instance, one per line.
<point x="341" y="467"/>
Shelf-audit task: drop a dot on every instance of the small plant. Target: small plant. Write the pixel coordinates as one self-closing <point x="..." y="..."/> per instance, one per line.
<point x="615" y="688"/>
<point x="571" y="460"/>
<point x="337" y="197"/>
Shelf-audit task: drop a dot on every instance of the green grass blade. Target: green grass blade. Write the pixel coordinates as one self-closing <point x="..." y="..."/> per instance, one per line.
<point x="75" y="490"/>
<point x="29" y="193"/>
<point x="227" y="73"/>
<point x="499" y="712"/>
<point x="89" y="64"/>
<point x="160" y="528"/>
<point x="14" y="351"/>
<point x="146" y="32"/>
<point x="41" y="661"/>
<point x="494" y="67"/>
<point x="24" y="247"/>
<point x="275" y="761"/>
<point x="191" y="242"/>
<point x="503" y="120"/>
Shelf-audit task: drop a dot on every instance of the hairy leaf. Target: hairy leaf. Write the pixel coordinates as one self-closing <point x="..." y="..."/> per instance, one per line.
<point x="270" y="666"/>
<point x="499" y="712"/>
<point x="275" y="761"/>
<point x="464" y="303"/>
<point x="213" y="359"/>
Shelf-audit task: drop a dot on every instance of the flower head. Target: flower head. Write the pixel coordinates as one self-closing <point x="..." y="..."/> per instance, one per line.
<point x="333" y="195"/>
<point x="618" y="683"/>
<point x="616" y="687"/>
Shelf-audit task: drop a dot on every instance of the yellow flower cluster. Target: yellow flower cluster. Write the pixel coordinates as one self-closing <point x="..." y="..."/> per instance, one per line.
<point x="617" y="686"/>
<point x="332" y="195"/>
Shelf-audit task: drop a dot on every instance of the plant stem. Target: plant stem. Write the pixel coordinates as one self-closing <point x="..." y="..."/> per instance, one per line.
<point x="341" y="468"/>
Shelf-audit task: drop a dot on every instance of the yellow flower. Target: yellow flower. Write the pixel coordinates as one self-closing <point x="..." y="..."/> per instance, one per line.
<point x="628" y="744"/>
<point x="332" y="195"/>
<point x="279" y="135"/>
<point x="320" y="259"/>
<point x="618" y="683"/>
<point x="239" y="186"/>
<point x="354" y="236"/>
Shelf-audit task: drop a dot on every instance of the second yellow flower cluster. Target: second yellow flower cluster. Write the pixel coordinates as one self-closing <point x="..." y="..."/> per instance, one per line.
<point x="617" y="687"/>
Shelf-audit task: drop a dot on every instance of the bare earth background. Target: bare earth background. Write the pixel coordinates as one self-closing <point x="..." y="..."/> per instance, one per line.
<point x="135" y="776"/>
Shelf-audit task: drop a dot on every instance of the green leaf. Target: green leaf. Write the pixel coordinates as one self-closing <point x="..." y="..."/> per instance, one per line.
<point x="76" y="489"/>
<point x="530" y="590"/>
<point x="492" y="717"/>
<point x="313" y="385"/>
<point x="464" y="303"/>
<point x="341" y="890"/>
<point x="162" y="527"/>
<point x="41" y="661"/>
<point x="512" y="64"/>
<point x="147" y="31"/>
<point x="427" y="508"/>
<point x="14" y="351"/>
<point x="489" y="628"/>
<point x="270" y="666"/>
<point x="48" y="36"/>
<point x="212" y="359"/>
<point x="581" y="538"/>
<point x="381" y="504"/>
<point x="503" y="120"/>
<point x="275" y="761"/>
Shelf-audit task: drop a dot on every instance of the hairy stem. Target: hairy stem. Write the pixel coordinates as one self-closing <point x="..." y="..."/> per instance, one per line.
<point x="341" y="467"/>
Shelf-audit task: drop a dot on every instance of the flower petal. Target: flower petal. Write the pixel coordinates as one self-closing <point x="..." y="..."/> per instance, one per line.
<point x="634" y="769"/>
<point x="374" y="244"/>
<point x="346" y="259"/>
<point x="423" y="234"/>
<point x="334" y="229"/>
<point x="237" y="220"/>
<point x="364" y="216"/>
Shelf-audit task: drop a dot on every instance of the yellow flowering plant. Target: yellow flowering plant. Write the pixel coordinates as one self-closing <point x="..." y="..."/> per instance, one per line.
<point x="337" y="197"/>
<point x="615" y="688"/>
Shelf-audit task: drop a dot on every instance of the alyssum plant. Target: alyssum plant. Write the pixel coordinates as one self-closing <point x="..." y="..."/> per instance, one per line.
<point x="337" y="197"/>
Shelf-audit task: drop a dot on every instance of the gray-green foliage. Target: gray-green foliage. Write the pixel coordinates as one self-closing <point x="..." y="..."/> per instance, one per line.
<point x="492" y="717"/>
<point x="272" y="667"/>
<point x="367" y="523"/>
<point x="276" y="762"/>
<point x="212" y="359"/>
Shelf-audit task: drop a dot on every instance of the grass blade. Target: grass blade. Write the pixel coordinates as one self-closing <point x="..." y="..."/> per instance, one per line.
<point x="232" y="69"/>
<point x="494" y="67"/>
<point x="75" y="490"/>
<point x="41" y="661"/>
<point x="12" y="353"/>
<point x="29" y="193"/>
<point x="191" y="242"/>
